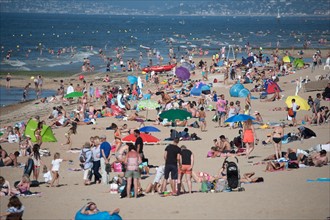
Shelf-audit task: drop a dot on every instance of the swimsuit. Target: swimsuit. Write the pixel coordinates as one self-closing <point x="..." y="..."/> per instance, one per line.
<point x="277" y="140"/>
<point x="248" y="136"/>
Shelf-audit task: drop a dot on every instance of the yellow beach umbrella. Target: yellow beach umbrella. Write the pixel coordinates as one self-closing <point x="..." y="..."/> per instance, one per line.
<point x="299" y="101"/>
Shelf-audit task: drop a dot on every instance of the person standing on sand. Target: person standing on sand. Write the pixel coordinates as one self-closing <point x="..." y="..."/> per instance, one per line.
<point x="186" y="164"/>
<point x="221" y="108"/>
<point x="105" y="149"/>
<point x="40" y="82"/>
<point x="202" y="120"/>
<point x="37" y="133"/>
<point x="8" y="78"/>
<point x="172" y="160"/>
<point x="249" y="136"/>
<point x="132" y="162"/>
<point x="294" y="107"/>
<point x="277" y="136"/>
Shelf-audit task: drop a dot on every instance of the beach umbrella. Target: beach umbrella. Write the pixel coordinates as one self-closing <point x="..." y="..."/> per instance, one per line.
<point x="288" y="59"/>
<point x="298" y="63"/>
<point x="239" y="118"/>
<point x="74" y="95"/>
<point x="147" y="138"/>
<point x="299" y="101"/>
<point x="148" y="104"/>
<point x="188" y="66"/>
<point x="132" y="79"/>
<point x="148" y="129"/>
<point x="174" y="114"/>
<point x="182" y="73"/>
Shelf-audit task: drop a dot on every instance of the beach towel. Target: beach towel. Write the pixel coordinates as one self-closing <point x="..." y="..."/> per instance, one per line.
<point x="320" y="180"/>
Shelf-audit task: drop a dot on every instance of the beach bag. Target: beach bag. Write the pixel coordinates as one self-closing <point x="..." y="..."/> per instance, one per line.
<point x="195" y="125"/>
<point x="290" y="112"/>
<point x="215" y="118"/>
<point x="204" y="187"/>
<point x="83" y="156"/>
<point x="117" y="167"/>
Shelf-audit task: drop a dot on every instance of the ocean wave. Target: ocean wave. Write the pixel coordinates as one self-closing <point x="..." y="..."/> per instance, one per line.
<point x="15" y="63"/>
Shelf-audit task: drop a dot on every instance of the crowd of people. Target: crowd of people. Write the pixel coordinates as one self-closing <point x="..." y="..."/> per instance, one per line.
<point x="102" y="155"/>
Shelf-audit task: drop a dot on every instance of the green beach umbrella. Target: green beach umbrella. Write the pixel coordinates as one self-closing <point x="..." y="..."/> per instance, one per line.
<point x="174" y="114"/>
<point x="74" y="95"/>
<point x="148" y="105"/>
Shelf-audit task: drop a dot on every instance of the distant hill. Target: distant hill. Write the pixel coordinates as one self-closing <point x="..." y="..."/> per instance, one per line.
<point x="171" y="7"/>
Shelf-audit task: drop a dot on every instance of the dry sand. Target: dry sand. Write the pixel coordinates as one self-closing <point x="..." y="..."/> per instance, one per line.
<point x="283" y="195"/>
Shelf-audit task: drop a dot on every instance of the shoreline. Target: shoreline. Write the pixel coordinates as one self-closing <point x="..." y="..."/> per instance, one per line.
<point x="308" y="53"/>
<point x="178" y="15"/>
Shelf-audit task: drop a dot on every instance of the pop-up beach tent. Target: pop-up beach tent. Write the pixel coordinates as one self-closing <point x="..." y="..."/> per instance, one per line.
<point x="271" y="87"/>
<point x="46" y="133"/>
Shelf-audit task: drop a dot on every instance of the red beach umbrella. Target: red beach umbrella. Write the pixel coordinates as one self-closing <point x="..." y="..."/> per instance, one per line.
<point x="147" y="138"/>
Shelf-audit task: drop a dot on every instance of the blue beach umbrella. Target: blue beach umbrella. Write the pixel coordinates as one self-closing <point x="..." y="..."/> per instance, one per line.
<point x="148" y="129"/>
<point x="240" y="117"/>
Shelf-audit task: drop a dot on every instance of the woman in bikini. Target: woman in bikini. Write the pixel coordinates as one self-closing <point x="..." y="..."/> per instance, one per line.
<point x="277" y="136"/>
<point x="37" y="133"/>
<point x="10" y="160"/>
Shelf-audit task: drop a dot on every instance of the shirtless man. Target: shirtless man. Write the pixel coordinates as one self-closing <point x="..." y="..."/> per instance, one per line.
<point x="165" y="100"/>
<point x="224" y="145"/>
<point x="10" y="160"/>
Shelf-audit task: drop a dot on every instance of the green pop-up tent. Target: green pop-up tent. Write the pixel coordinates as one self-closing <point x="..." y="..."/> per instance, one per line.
<point x="46" y="133"/>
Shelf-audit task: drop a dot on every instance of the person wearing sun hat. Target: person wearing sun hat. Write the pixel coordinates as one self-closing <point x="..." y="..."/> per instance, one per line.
<point x="87" y="162"/>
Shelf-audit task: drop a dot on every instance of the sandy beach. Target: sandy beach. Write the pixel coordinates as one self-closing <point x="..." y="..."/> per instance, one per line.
<point x="282" y="195"/>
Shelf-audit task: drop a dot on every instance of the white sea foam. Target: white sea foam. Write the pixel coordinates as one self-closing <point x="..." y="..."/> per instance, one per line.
<point x="15" y="63"/>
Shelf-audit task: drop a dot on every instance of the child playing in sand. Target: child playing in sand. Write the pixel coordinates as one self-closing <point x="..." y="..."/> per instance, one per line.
<point x="55" y="169"/>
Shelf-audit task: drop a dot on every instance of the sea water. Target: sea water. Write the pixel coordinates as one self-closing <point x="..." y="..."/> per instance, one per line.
<point x="30" y="36"/>
<point x="15" y="95"/>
